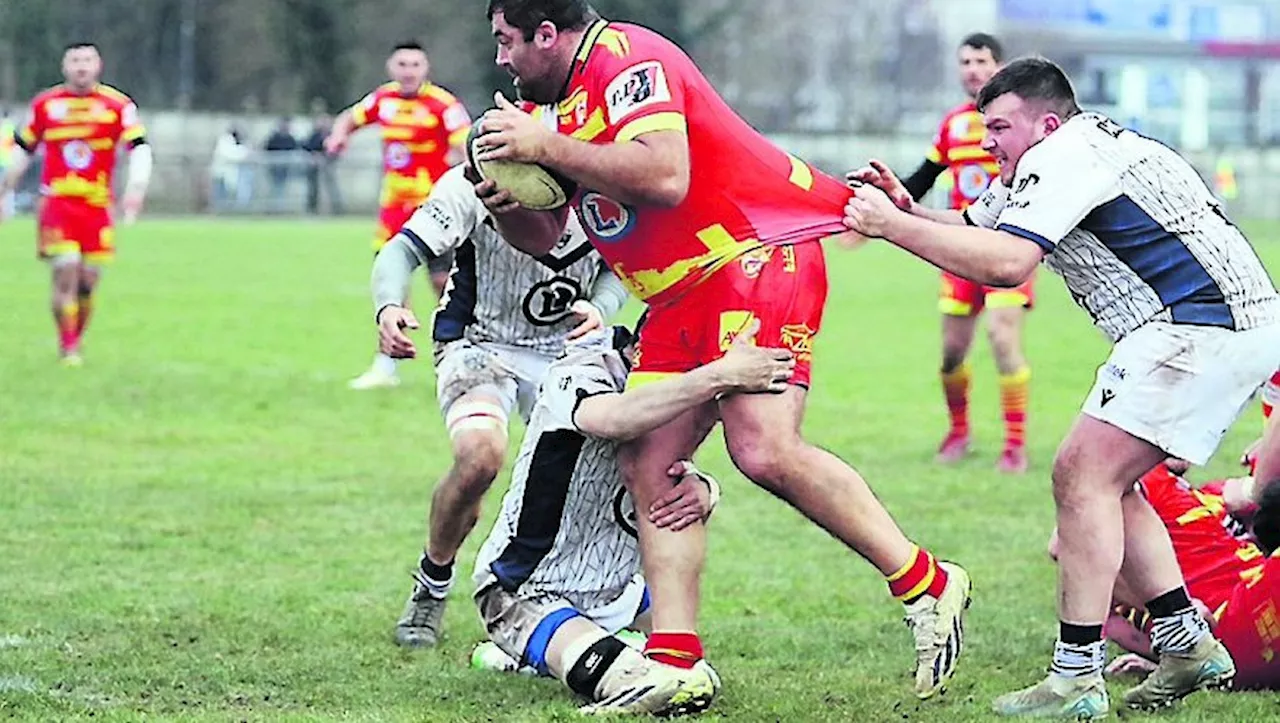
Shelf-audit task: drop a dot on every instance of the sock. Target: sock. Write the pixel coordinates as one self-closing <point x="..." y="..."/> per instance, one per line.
<point x="920" y="576"/>
<point x="955" y="387"/>
<point x="1080" y="651"/>
<point x="67" y="318"/>
<point x="682" y="650"/>
<point x="384" y="364"/>
<point x="1176" y="626"/>
<point x="437" y="579"/>
<point x="586" y="665"/>
<point x="85" y="310"/>
<point x="1269" y="390"/>
<point x="1013" y="400"/>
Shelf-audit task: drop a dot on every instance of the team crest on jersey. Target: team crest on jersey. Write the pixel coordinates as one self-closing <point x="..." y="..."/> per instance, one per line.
<point x="77" y="155"/>
<point x="605" y="218"/>
<point x="548" y="301"/>
<point x="635" y="88"/>
<point x="753" y="262"/>
<point x="972" y="180"/>
<point x="397" y="155"/>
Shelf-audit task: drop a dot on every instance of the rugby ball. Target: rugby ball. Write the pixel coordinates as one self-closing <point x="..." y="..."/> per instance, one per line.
<point x="533" y="186"/>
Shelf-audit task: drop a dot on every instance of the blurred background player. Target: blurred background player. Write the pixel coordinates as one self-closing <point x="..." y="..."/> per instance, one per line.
<point x="957" y="150"/>
<point x="8" y="132"/>
<point x="504" y="319"/>
<point x="81" y="123"/>
<point x="424" y="129"/>
<point x="711" y="246"/>
<point x="557" y="577"/>
<point x="1228" y="569"/>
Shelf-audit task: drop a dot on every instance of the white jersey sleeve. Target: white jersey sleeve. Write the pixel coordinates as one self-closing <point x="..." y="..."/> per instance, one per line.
<point x="564" y="388"/>
<point x="447" y="219"/>
<point x="985" y="211"/>
<point x="1059" y="181"/>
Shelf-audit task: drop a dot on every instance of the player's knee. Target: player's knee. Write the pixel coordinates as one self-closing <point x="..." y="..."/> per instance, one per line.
<point x="1005" y="336"/>
<point x="764" y="459"/>
<point x="952" y="357"/>
<point x="478" y="457"/>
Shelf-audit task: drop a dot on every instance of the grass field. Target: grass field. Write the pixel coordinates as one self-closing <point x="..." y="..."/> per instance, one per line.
<point x="203" y="523"/>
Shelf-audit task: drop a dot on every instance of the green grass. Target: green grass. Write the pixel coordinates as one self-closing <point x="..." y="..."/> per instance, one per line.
<point x="203" y="523"/>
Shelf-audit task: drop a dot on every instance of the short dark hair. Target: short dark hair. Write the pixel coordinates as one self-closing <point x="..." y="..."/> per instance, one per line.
<point x="77" y="44"/>
<point x="527" y="15"/>
<point x="409" y="45"/>
<point x="978" y="41"/>
<point x="1035" y="79"/>
<point x="1266" y="522"/>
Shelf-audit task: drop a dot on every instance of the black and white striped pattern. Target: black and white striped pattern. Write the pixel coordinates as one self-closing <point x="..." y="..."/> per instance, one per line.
<point x="1079" y="661"/>
<point x="1178" y="633"/>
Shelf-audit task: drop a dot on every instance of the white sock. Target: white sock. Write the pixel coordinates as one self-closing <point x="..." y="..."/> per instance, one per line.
<point x="384" y="364"/>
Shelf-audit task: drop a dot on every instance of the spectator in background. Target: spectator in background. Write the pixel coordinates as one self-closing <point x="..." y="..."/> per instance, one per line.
<point x="280" y="147"/>
<point x="320" y="168"/>
<point x="7" y="143"/>
<point x="232" y="182"/>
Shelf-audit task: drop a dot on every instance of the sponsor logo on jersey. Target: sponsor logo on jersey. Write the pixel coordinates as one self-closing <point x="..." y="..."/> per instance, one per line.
<point x="636" y="87"/>
<point x="548" y="301"/>
<point x="77" y="155"/>
<point x="605" y="218"/>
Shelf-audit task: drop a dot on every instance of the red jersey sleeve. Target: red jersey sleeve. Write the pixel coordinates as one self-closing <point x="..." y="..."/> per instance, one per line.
<point x="30" y="134"/>
<point x="365" y="111"/>
<point x="641" y="84"/>
<point x="938" y="152"/>
<point x="132" y="131"/>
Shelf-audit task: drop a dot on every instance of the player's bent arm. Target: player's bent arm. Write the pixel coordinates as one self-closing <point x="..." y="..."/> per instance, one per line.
<point x="393" y="272"/>
<point x="608" y="294"/>
<point x="638" y="411"/>
<point x="651" y="169"/>
<point x="994" y="258"/>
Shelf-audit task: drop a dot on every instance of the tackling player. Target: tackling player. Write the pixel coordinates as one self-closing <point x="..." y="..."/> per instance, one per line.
<point x="424" y="128"/>
<point x="957" y="150"/>
<point x="81" y="123"/>
<point x="1145" y="248"/>
<point x="503" y="319"/>
<point x="1238" y="582"/>
<point x="715" y="229"/>
<point x="558" y="575"/>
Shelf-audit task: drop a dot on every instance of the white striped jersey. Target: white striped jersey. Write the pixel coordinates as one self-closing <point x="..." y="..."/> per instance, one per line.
<point x="497" y="293"/>
<point x="567" y="525"/>
<point x="1132" y="229"/>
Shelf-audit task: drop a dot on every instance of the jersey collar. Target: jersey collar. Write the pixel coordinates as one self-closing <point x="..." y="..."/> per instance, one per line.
<point x="585" y="47"/>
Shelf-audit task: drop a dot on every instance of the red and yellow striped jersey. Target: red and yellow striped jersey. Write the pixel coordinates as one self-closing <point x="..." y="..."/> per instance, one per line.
<point x="744" y="192"/>
<point x="418" y="130"/>
<point x="80" y="134"/>
<point x="958" y="146"/>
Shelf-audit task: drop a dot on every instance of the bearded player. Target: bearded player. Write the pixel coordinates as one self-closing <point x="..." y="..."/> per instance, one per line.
<point x="81" y="123"/>
<point x="715" y="229"/>
<point x="423" y="130"/>
<point x="957" y="150"/>
<point x="1235" y="575"/>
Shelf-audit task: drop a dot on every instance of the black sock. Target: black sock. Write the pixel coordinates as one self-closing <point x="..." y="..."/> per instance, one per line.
<point x="1073" y="634"/>
<point x="1170" y="603"/>
<point x="438" y="573"/>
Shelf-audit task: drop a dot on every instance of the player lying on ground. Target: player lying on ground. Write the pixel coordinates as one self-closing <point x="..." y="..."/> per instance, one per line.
<point x="505" y="317"/>
<point x="1229" y="570"/>
<point x="714" y="228"/>
<point x="559" y="572"/>
<point x="423" y="129"/>
<point x="81" y="123"/>
<point x="1146" y="249"/>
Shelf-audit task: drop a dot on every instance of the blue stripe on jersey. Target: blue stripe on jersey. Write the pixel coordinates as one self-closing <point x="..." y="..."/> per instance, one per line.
<point x="1041" y="241"/>
<point x="459" y="311"/>
<point x="1161" y="260"/>
<point x="535" y="651"/>
<point x="545" y="489"/>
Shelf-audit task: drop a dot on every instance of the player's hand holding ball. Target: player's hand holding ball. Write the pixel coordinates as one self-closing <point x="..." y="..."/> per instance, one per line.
<point x="392" y="322"/>
<point x="504" y="152"/>
<point x="746" y="367"/>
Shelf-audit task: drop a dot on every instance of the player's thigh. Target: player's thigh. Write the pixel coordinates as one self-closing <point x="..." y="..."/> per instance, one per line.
<point x="646" y="460"/>
<point x="1100" y="456"/>
<point x="528" y="367"/>
<point x="474" y="390"/>
<point x="58" y="228"/>
<point x="97" y="236"/>
<point x="762" y="431"/>
<point x="1180" y="387"/>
